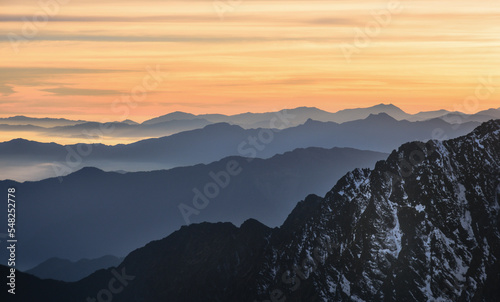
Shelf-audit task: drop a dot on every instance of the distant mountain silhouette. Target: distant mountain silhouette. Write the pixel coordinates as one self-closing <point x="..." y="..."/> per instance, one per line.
<point x="377" y="132"/>
<point x="130" y="122"/>
<point x="6" y="127"/>
<point x="494" y="113"/>
<point x="482" y="116"/>
<point x="426" y="115"/>
<point x="171" y="117"/>
<point x="65" y="270"/>
<point x="456" y="117"/>
<point x="347" y="115"/>
<point x="301" y="114"/>
<point x="128" y="129"/>
<point x="40" y="122"/>
<point x="93" y="213"/>
<point x="175" y="122"/>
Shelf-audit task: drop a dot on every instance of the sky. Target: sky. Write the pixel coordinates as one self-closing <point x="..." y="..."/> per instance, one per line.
<point x="111" y="60"/>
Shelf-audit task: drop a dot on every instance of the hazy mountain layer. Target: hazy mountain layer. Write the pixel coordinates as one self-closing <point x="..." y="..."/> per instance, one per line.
<point x="93" y="213"/>
<point x="25" y="160"/>
<point x="66" y="131"/>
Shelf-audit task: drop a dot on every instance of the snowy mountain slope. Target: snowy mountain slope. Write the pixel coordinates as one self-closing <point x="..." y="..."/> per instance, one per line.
<point x="426" y="232"/>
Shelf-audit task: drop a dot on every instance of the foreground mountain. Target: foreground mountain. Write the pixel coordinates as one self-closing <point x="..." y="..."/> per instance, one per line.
<point x="97" y="213"/>
<point x="380" y="133"/>
<point x="66" y="270"/>
<point x="422" y="226"/>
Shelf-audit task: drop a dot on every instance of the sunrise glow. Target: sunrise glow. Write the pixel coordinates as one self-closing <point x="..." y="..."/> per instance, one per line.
<point x="251" y="56"/>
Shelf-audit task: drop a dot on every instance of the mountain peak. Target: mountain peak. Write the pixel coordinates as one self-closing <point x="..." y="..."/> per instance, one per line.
<point x="390" y="105"/>
<point x="221" y="126"/>
<point x="378" y="117"/>
<point x="130" y="122"/>
<point x="252" y="225"/>
<point x="307" y="109"/>
<point x="176" y="115"/>
<point x="87" y="171"/>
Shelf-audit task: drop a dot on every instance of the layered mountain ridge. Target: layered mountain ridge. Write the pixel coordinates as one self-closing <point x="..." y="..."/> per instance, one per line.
<point x="379" y="132"/>
<point x="422" y="226"/>
<point x="144" y="206"/>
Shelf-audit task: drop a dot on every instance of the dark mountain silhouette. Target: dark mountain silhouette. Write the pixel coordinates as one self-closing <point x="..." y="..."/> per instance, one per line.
<point x="377" y="132"/>
<point x="66" y="270"/>
<point x="423" y="225"/>
<point x="93" y="213"/>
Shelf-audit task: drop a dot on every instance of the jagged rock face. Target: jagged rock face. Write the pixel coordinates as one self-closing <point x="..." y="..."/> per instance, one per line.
<point x="198" y="263"/>
<point x="422" y="226"/>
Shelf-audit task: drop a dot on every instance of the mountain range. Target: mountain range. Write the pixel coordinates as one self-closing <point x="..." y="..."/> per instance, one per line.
<point x="128" y="131"/>
<point x="380" y="133"/>
<point x="423" y="225"/>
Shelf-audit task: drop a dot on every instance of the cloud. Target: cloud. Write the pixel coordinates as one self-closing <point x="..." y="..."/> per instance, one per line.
<point x="6" y="90"/>
<point x="37" y="76"/>
<point x="164" y="38"/>
<point x="53" y="71"/>
<point x="190" y="18"/>
<point x="69" y="91"/>
<point x="160" y="18"/>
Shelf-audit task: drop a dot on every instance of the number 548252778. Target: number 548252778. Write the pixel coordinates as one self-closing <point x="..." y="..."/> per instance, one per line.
<point x="11" y="210"/>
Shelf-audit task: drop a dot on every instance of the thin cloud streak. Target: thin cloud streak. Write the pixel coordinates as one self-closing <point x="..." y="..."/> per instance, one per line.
<point x="69" y="91"/>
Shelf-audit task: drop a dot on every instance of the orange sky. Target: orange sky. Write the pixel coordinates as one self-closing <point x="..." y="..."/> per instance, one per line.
<point x="262" y="56"/>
